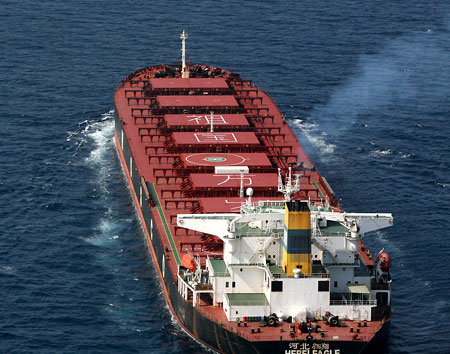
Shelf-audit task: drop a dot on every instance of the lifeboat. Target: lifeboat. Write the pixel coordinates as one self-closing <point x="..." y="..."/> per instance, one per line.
<point x="385" y="261"/>
<point x="189" y="262"/>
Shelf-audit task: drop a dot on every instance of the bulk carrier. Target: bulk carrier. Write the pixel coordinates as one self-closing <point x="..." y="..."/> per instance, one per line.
<point x="252" y="249"/>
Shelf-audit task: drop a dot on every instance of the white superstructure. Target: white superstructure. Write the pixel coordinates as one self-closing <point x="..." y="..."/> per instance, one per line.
<point x="272" y="265"/>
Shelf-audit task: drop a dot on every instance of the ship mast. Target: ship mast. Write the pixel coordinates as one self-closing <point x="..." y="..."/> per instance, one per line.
<point x="288" y="188"/>
<point x="184" y="72"/>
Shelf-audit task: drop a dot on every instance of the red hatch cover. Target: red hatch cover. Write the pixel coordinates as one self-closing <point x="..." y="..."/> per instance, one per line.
<point x="198" y="120"/>
<point x="216" y="181"/>
<point x="227" y="205"/>
<point x="192" y="83"/>
<point x="197" y="101"/>
<point x="226" y="138"/>
<point x="219" y="159"/>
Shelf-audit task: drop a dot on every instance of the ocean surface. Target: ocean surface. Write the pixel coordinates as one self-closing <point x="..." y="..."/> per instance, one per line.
<point x="366" y="86"/>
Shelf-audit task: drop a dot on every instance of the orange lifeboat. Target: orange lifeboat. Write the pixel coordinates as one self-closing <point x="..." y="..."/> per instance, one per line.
<point x="188" y="262"/>
<point x="384" y="261"/>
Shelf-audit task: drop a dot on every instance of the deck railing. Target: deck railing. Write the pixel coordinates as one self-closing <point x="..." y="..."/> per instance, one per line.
<point x="260" y="234"/>
<point x="333" y="234"/>
<point x="312" y="275"/>
<point x="249" y="303"/>
<point x="220" y="274"/>
<point x="247" y="265"/>
<point x="352" y="302"/>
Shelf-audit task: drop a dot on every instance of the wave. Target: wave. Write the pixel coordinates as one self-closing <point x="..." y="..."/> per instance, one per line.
<point x="391" y="152"/>
<point x="405" y="155"/>
<point x="96" y="130"/>
<point x="8" y="270"/>
<point x="107" y="231"/>
<point x="96" y="150"/>
<point x="315" y="136"/>
<point x="92" y="143"/>
<point x="381" y="152"/>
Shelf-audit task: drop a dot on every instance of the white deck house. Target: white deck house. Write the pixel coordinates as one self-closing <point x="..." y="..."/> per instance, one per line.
<point x="251" y="280"/>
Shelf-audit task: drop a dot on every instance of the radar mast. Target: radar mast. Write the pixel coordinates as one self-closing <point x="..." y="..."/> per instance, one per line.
<point x="184" y="72"/>
<point x="288" y="188"/>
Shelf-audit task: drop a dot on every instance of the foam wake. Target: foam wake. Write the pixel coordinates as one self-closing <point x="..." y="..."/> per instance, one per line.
<point x="93" y="147"/>
<point x="315" y="136"/>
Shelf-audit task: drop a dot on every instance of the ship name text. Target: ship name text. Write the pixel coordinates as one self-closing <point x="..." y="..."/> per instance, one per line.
<point x="315" y="348"/>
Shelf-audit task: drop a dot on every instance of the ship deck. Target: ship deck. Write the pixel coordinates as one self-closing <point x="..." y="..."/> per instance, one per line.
<point x="254" y="331"/>
<point x="167" y="122"/>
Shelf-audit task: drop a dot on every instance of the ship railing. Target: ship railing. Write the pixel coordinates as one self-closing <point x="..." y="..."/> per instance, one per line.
<point x="323" y="205"/>
<point x="268" y="203"/>
<point x="318" y="232"/>
<point x="261" y="234"/>
<point x="209" y="217"/>
<point x="220" y="274"/>
<point x="310" y="275"/>
<point x="195" y="286"/>
<point x="247" y="265"/>
<point x="261" y="206"/>
<point x="353" y="302"/>
<point x="182" y="280"/>
<point x="342" y="264"/>
<point x="203" y="287"/>
<point x="332" y="234"/>
<point x="250" y="303"/>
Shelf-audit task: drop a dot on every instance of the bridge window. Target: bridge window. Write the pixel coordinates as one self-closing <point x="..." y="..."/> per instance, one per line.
<point x="277" y="286"/>
<point x="324" y="286"/>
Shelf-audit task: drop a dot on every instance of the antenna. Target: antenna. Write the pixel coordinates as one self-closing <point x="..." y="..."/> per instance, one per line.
<point x="241" y="191"/>
<point x="288" y="188"/>
<point x="184" y="72"/>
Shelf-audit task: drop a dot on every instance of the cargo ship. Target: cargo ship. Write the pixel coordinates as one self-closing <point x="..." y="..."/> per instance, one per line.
<point x="253" y="251"/>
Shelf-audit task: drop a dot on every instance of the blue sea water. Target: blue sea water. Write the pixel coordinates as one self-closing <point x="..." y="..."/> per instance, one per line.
<point x="365" y="86"/>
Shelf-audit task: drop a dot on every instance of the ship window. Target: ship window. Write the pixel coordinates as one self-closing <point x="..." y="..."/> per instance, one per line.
<point x="274" y="243"/>
<point x="227" y="284"/>
<point x="277" y="286"/>
<point x="273" y="256"/>
<point x="233" y="284"/>
<point x="335" y="284"/>
<point x="268" y="256"/>
<point x="324" y="285"/>
<point x="356" y="282"/>
<point x="241" y="269"/>
<point x="237" y="312"/>
<point x="315" y="256"/>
